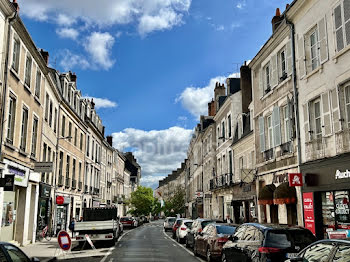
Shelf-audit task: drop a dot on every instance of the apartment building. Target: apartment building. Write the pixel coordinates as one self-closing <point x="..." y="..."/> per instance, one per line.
<point x="119" y="195"/>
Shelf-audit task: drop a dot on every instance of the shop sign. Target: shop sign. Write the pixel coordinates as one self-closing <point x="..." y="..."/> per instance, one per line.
<point x="295" y="179"/>
<point x="8" y="182"/>
<point x="43" y="167"/>
<point x="198" y="194"/>
<point x="21" y="178"/>
<point x="342" y="175"/>
<point x="247" y="188"/>
<point x="61" y="200"/>
<point x="208" y="196"/>
<point x="309" y="215"/>
<point x="279" y="179"/>
<point x="337" y="234"/>
<point x="45" y="191"/>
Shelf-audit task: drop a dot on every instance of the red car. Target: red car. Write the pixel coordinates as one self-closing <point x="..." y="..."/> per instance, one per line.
<point x="128" y="222"/>
<point x="210" y="241"/>
<point x="176" y="226"/>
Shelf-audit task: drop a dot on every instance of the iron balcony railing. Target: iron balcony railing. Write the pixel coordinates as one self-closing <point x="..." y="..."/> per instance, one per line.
<point x="80" y="185"/>
<point x="269" y="154"/>
<point x="221" y="181"/>
<point x="74" y="184"/>
<point x="67" y="182"/>
<point x="60" y="180"/>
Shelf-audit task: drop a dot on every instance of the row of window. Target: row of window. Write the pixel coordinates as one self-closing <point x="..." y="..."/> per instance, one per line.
<point x="70" y="135"/>
<point x="70" y="168"/>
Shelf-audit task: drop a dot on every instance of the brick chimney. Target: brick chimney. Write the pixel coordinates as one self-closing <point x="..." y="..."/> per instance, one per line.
<point x="246" y="87"/>
<point x="15" y="5"/>
<point x="219" y="91"/>
<point x="110" y="140"/>
<point x="211" y="108"/>
<point x="45" y="55"/>
<point x="276" y="20"/>
<point x="73" y="77"/>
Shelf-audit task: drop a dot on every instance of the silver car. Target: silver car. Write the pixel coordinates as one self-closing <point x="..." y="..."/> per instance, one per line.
<point x="168" y="223"/>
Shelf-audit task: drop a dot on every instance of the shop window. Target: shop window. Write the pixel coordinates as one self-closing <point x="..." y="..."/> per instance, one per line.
<point x="342" y="209"/>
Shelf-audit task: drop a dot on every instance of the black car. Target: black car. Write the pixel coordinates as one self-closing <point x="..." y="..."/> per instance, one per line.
<point x="11" y="253"/>
<point x="197" y="227"/>
<point x="266" y="243"/>
<point x="325" y="251"/>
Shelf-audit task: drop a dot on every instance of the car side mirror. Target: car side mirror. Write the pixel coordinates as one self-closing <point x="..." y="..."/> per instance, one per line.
<point x="296" y="259"/>
<point x="233" y="238"/>
<point x="35" y="259"/>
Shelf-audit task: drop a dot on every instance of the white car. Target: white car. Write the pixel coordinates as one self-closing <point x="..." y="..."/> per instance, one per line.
<point x="183" y="229"/>
<point x="168" y="223"/>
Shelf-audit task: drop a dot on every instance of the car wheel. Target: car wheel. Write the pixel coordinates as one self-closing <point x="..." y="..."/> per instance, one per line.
<point x="209" y="259"/>
<point x="223" y="258"/>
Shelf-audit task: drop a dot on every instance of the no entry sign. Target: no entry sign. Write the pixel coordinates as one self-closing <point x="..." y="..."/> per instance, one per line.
<point x="64" y="240"/>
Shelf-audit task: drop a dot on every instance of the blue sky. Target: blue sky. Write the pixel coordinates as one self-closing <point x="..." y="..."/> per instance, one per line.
<point x="151" y="65"/>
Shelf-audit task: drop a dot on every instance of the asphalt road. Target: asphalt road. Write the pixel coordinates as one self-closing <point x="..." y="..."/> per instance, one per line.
<point x="148" y="243"/>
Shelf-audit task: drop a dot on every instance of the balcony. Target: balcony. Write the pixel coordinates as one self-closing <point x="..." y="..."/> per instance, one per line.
<point x="74" y="184"/>
<point x="96" y="191"/>
<point x="222" y="181"/>
<point x="269" y="154"/>
<point x="60" y="180"/>
<point x="80" y="185"/>
<point x="86" y="190"/>
<point x="67" y="184"/>
<point x="109" y="184"/>
<point x="287" y="148"/>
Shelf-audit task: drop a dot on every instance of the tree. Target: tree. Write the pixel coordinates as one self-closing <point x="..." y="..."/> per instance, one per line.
<point x="176" y="204"/>
<point x="141" y="201"/>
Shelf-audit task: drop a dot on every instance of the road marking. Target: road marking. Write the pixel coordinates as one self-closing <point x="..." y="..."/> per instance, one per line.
<point x="191" y="253"/>
<point x="112" y="248"/>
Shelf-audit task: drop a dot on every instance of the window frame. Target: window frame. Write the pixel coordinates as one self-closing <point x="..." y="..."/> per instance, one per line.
<point x="37" y="83"/>
<point x="314" y="48"/>
<point x="16" y="56"/>
<point x="28" y="70"/>
<point x="34" y="136"/>
<point x="11" y="118"/>
<point x="270" y="134"/>
<point x="24" y="128"/>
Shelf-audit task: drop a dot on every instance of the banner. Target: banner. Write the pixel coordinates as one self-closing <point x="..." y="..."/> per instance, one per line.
<point x="309" y="214"/>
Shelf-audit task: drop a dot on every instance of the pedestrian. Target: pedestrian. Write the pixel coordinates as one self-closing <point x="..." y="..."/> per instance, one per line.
<point x="228" y="219"/>
<point x="71" y="226"/>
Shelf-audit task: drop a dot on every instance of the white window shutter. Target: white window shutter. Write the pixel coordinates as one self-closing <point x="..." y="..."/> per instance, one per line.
<point x="274" y="73"/>
<point x="301" y="57"/>
<point x="337" y="124"/>
<point x="276" y="119"/>
<point x="261" y="82"/>
<point x="289" y="61"/>
<point x="338" y="25"/>
<point x="326" y="115"/>
<point x="306" y="122"/>
<point x="346" y="7"/>
<point x="290" y="112"/>
<point x="262" y="133"/>
<point x="307" y="50"/>
<point x="322" y="40"/>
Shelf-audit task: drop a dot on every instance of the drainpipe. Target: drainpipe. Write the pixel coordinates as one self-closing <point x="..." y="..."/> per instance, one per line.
<point x="4" y="93"/>
<point x="296" y="102"/>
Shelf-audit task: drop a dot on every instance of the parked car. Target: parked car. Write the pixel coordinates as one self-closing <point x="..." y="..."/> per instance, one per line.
<point x="210" y="241"/>
<point x="258" y="242"/>
<point x="128" y="222"/>
<point x="327" y="250"/>
<point x="168" y="223"/>
<point x="184" y="227"/>
<point x="176" y="226"/>
<point x="10" y="253"/>
<point x="197" y="227"/>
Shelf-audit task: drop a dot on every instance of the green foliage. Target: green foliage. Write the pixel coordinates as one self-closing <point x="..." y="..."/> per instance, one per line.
<point x="142" y="202"/>
<point x="176" y="204"/>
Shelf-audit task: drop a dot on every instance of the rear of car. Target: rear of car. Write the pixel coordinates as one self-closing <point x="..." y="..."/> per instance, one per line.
<point x="280" y="244"/>
<point x="223" y="232"/>
<point x="168" y="223"/>
<point x="127" y="222"/>
<point x="183" y="229"/>
<point x="176" y="226"/>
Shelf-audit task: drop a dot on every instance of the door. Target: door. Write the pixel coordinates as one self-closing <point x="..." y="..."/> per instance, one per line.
<point x="8" y="216"/>
<point x="61" y="218"/>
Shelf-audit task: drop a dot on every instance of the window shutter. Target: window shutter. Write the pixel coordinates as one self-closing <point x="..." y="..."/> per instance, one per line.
<point x="276" y="119"/>
<point x="338" y="24"/>
<point x="261" y="82"/>
<point x="301" y="57"/>
<point x="337" y="124"/>
<point x="262" y="133"/>
<point x="289" y="61"/>
<point x="323" y="42"/>
<point x="290" y="115"/>
<point x="274" y="73"/>
<point x="346" y="7"/>
<point x="306" y="122"/>
<point x="326" y="113"/>
<point x="307" y="50"/>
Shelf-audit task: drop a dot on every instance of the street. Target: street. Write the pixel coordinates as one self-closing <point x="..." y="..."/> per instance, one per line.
<point x="146" y="243"/>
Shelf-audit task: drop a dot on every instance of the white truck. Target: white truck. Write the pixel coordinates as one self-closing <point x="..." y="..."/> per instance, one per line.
<point x="100" y="224"/>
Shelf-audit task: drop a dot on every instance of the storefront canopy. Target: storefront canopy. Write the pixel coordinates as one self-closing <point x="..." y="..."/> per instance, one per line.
<point x="266" y="195"/>
<point x="284" y="194"/>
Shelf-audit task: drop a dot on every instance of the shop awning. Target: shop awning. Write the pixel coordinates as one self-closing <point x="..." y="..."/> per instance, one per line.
<point x="266" y="195"/>
<point x="284" y="194"/>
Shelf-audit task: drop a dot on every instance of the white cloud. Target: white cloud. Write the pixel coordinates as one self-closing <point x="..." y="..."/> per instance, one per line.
<point x="67" y="33"/>
<point x="102" y="102"/>
<point x="149" y="15"/>
<point x="182" y="118"/>
<point x="241" y="4"/>
<point x="220" y="28"/>
<point x="70" y="61"/>
<point x="99" y="46"/>
<point x="196" y="99"/>
<point x="158" y="151"/>
<point x="118" y="34"/>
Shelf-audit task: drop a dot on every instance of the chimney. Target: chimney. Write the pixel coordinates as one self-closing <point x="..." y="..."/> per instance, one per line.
<point x="92" y="103"/>
<point x="211" y="108"/>
<point x="246" y="87"/>
<point x="276" y="20"/>
<point x="287" y="6"/>
<point x="110" y="140"/>
<point x="233" y="85"/>
<point x="219" y="91"/>
<point x="73" y="77"/>
<point x="45" y="55"/>
<point x="15" y="5"/>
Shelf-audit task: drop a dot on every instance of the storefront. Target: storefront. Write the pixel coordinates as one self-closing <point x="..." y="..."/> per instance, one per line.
<point x="326" y="195"/>
<point x="62" y="213"/>
<point x="243" y="203"/>
<point x="44" y="206"/>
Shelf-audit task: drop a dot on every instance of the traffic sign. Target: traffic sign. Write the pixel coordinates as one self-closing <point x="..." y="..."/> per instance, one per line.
<point x="64" y="240"/>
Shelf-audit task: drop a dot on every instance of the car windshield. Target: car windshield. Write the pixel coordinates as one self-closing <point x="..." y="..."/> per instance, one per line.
<point x="205" y="223"/>
<point x="302" y="238"/>
<point x="178" y="222"/>
<point x="226" y="230"/>
<point x="124" y="219"/>
<point x="188" y="224"/>
<point x="171" y="220"/>
<point x="278" y="239"/>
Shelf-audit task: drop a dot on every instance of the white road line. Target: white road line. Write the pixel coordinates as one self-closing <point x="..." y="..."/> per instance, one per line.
<point x="112" y="248"/>
<point x="191" y="253"/>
